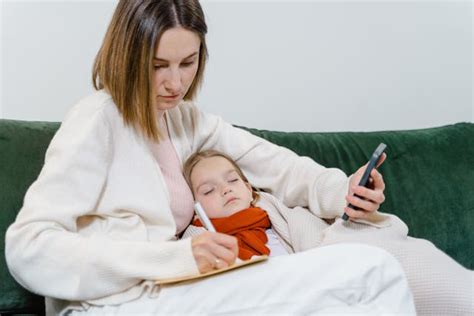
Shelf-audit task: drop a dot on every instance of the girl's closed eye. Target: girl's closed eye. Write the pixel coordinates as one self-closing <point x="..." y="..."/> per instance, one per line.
<point x="208" y="191"/>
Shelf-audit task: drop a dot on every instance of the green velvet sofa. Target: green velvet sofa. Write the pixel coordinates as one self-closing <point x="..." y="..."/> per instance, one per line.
<point x="429" y="177"/>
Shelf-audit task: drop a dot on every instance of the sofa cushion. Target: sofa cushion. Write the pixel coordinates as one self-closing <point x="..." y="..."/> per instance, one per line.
<point x="22" y="150"/>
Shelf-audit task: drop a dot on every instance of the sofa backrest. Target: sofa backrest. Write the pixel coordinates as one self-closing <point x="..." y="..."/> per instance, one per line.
<point x="429" y="176"/>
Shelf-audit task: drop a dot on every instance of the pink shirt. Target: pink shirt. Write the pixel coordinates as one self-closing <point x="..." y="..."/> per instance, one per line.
<point x="181" y="196"/>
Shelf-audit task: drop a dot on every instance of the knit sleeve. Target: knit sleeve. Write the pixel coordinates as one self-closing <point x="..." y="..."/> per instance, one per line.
<point x="295" y="180"/>
<point x="44" y="251"/>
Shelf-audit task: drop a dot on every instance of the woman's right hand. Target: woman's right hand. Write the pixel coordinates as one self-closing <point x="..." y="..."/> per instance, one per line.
<point x="214" y="251"/>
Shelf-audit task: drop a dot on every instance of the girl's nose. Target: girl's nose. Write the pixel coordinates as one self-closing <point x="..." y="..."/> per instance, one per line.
<point x="225" y="190"/>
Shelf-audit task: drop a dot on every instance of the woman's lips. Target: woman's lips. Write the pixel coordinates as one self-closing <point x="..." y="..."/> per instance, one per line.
<point x="171" y="97"/>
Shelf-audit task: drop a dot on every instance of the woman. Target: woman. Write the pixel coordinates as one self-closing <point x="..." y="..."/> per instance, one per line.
<point x="102" y="220"/>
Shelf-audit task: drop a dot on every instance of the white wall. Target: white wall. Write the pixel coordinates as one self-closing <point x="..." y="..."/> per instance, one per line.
<point x="48" y="51"/>
<point x="280" y="65"/>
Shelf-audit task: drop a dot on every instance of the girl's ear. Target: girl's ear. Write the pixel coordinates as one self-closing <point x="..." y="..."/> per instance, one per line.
<point x="255" y="196"/>
<point x="248" y="186"/>
<point x="254" y="192"/>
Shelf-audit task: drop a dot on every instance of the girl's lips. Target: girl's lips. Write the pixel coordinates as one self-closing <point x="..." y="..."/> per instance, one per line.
<point x="230" y="200"/>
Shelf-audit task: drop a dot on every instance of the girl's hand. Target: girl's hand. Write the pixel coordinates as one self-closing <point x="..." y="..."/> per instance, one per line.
<point x="214" y="251"/>
<point x="368" y="200"/>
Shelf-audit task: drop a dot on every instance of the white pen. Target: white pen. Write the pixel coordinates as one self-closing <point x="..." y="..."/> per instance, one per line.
<point x="203" y="217"/>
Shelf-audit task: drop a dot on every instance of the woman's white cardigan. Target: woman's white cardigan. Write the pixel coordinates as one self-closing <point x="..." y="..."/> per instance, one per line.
<point x="96" y="225"/>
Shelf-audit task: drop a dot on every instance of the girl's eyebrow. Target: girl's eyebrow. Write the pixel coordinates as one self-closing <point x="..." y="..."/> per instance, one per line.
<point x="201" y="184"/>
<point x="226" y="173"/>
<point x="161" y="59"/>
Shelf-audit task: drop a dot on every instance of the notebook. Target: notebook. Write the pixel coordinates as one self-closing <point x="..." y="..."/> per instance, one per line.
<point x="236" y="265"/>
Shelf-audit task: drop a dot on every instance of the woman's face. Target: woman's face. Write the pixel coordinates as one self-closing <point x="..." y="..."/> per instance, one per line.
<point x="175" y="65"/>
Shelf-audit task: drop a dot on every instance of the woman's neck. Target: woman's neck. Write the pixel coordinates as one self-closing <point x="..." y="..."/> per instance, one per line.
<point x="160" y="114"/>
<point x="162" y="124"/>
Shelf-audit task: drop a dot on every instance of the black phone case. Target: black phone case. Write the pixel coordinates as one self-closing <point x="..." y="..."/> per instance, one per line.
<point x="364" y="181"/>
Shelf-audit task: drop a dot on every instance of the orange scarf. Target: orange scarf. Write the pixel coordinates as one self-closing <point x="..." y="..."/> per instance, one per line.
<point x="249" y="227"/>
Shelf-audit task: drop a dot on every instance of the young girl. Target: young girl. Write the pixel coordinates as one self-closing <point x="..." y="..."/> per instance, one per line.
<point x="228" y="199"/>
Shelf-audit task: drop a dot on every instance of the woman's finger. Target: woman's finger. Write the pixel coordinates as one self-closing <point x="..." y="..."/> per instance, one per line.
<point x="228" y="253"/>
<point x="375" y="196"/>
<point x="214" y="251"/>
<point x="204" y="259"/>
<point x="362" y="204"/>
<point x="226" y="241"/>
<point x="356" y="214"/>
<point x="381" y="160"/>
<point x="377" y="178"/>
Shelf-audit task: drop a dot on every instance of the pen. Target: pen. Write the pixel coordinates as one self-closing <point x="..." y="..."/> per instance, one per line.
<point x="203" y="217"/>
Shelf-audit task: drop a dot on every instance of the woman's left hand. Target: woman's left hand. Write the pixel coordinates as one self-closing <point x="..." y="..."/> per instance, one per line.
<point x="368" y="200"/>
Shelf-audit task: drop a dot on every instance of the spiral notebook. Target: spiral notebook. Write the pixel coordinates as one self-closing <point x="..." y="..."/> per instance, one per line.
<point x="236" y="265"/>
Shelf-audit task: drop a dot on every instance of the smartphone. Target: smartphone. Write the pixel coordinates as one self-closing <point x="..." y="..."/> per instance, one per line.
<point x="364" y="181"/>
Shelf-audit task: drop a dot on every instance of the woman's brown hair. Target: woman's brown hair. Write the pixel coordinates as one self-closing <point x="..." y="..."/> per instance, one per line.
<point x="124" y="63"/>
<point x="193" y="160"/>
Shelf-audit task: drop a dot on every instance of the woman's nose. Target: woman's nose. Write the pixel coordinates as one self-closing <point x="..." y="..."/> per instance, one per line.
<point x="173" y="82"/>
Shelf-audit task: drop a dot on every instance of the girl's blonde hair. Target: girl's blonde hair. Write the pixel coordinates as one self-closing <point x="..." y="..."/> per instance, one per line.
<point x="124" y="64"/>
<point x="193" y="160"/>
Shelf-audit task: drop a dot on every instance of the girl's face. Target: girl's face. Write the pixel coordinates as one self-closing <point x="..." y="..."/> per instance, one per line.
<point x="175" y="65"/>
<point x="219" y="188"/>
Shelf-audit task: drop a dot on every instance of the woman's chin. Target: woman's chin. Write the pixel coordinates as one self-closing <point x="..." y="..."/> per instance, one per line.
<point x="166" y="105"/>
